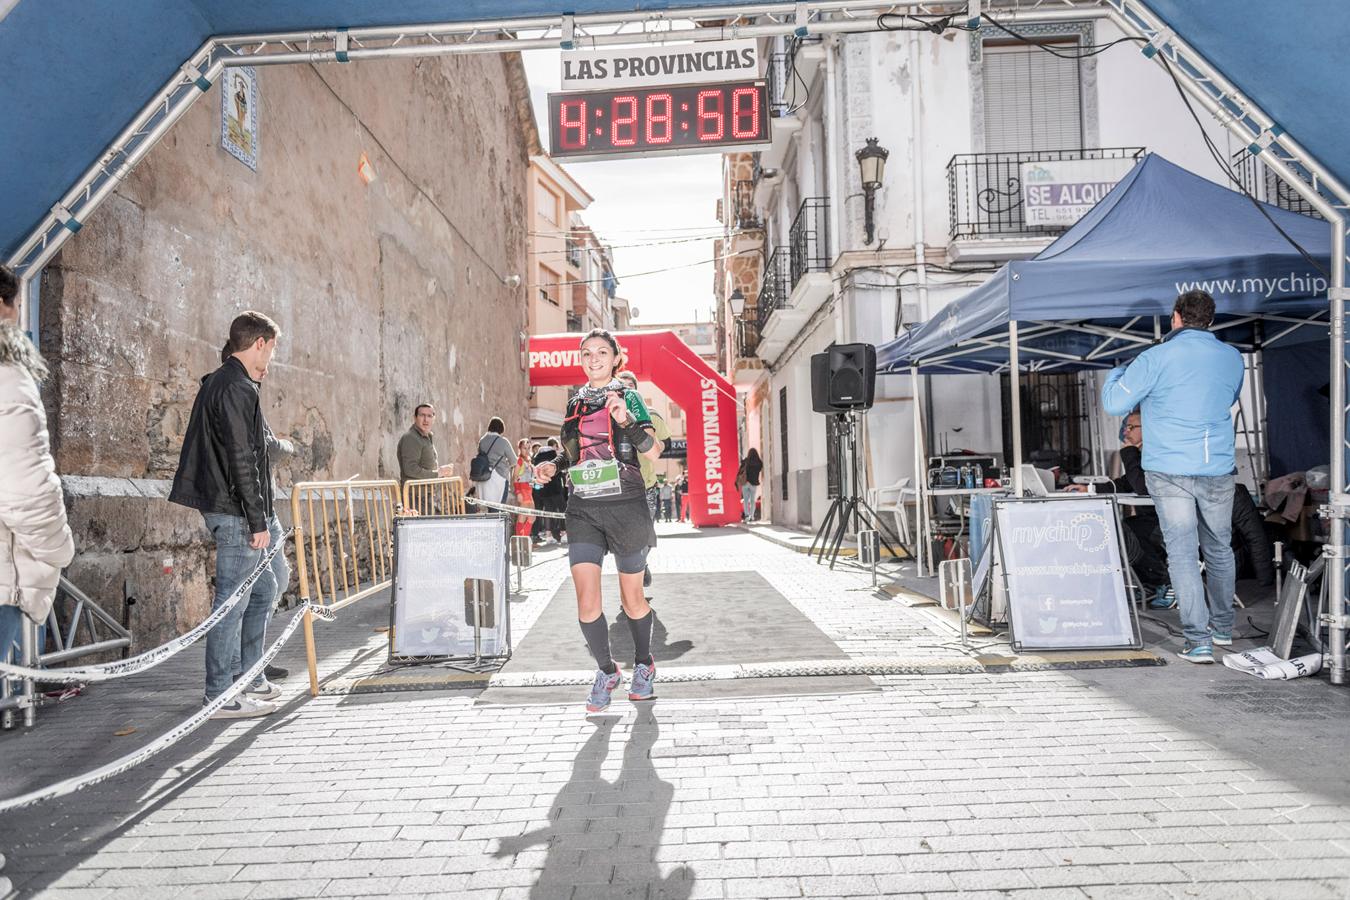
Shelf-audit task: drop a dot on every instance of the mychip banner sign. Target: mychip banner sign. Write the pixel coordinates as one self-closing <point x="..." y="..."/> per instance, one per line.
<point x="1061" y="192"/>
<point x="1065" y="574"/>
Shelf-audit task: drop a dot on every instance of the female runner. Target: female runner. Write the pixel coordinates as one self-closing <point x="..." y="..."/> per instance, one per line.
<point x="522" y="478"/>
<point x="606" y="427"/>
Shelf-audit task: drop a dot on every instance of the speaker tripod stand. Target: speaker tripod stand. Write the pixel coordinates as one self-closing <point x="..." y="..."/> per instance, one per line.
<point x="849" y="506"/>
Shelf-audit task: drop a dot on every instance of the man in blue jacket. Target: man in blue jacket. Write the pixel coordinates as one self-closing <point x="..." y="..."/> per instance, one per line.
<point x="1186" y="387"/>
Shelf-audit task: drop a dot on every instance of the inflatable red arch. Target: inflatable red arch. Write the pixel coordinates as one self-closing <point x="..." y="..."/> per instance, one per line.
<point x="708" y="401"/>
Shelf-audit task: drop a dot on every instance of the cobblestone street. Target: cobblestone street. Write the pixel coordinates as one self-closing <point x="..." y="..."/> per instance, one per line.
<point x="1155" y="781"/>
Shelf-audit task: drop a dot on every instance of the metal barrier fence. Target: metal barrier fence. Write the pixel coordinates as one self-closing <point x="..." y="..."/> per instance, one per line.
<point x="340" y="560"/>
<point x="434" y="496"/>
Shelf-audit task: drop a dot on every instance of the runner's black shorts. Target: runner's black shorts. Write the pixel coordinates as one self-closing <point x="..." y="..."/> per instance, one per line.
<point x="623" y="527"/>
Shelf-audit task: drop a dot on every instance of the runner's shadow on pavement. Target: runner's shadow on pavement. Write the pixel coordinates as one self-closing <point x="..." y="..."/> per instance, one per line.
<point x="621" y="640"/>
<point x="603" y="835"/>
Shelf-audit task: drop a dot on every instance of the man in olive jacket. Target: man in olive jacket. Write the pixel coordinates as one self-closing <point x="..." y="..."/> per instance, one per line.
<point x="225" y="473"/>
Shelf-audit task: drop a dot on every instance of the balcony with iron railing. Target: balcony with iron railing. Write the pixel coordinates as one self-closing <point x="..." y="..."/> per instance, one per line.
<point x="773" y="290"/>
<point x="574" y="253"/>
<point x="809" y="239"/>
<point x="1262" y="182"/>
<point x="984" y="191"/>
<point x="747" y="334"/>
<point x="744" y="216"/>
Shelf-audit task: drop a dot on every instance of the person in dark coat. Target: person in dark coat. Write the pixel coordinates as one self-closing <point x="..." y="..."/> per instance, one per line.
<point x="1143" y="534"/>
<point x="1251" y="547"/>
<point x="1147" y="555"/>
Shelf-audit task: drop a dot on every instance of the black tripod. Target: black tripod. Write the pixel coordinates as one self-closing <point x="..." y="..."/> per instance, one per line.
<point x="849" y="507"/>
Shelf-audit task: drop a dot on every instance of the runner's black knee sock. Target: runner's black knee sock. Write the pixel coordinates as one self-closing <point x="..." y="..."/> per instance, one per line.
<point x="641" y="629"/>
<point x="597" y="638"/>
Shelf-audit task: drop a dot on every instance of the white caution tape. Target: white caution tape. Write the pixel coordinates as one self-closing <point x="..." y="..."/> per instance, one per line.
<point x="135" y="758"/>
<point x="150" y="658"/>
<point x="519" y="510"/>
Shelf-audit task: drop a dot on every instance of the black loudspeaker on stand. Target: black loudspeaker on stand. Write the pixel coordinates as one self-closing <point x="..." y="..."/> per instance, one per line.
<point x="843" y="383"/>
<point x="844" y="378"/>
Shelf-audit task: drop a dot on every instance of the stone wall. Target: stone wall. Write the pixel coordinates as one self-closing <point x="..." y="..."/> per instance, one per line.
<point x="388" y="294"/>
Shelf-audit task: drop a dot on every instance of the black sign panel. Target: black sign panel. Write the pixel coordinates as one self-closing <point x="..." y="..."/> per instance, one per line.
<point x="664" y="119"/>
<point x="676" y="448"/>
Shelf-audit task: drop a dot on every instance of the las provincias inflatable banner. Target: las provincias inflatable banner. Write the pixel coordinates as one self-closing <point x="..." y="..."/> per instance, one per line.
<point x="708" y="400"/>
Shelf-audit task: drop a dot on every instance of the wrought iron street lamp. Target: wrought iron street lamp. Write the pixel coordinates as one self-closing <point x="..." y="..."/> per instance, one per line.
<point x="737" y="301"/>
<point x="872" y="168"/>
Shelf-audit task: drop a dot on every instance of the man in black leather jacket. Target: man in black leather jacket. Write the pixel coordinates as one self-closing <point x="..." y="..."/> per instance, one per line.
<point x="225" y="473"/>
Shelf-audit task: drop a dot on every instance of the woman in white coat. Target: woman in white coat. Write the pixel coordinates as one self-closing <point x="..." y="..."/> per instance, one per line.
<point x="35" y="541"/>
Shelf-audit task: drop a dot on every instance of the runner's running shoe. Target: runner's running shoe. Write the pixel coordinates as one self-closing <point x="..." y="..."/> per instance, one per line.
<point x="641" y="687"/>
<point x="603" y="688"/>
<point x="1222" y="638"/>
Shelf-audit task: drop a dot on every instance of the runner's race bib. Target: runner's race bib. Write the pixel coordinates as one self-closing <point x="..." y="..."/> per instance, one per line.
<point x="595" y="478"/>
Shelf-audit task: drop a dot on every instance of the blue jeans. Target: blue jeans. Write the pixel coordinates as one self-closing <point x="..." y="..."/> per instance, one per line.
<point x="236" y="643"/>
<point x="1196" y="514"/>
<point x="11" y="621"/>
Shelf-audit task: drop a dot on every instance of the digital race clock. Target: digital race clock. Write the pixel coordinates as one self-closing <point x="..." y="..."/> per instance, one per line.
<point x="663" y="119"/>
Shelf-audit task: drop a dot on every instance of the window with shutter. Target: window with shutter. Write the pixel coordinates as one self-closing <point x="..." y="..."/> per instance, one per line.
<point x="1032" y="99"/>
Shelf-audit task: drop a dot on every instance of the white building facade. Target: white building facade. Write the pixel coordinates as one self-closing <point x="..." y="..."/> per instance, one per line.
<point x="959" y="113"/>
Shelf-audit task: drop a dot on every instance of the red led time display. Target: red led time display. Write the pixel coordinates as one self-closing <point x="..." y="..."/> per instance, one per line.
<point x="652" y="120"/>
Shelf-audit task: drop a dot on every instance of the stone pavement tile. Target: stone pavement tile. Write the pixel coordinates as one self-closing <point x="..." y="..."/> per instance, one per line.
<point x="272" y="871"/>
<point x="839" y="886"/>
<point x="386" y="849"/>
<point x="872" y="864"/>
<point x="444" y="885"/>
<point x="230" y="891"/>
<point x="915" y="883"/>
<point x="766" y="850"/>
<point x="1308" y="849"/>
<point x="291" y="887"/>
<point x="1302" y="889"/>
<point x="771" y="867"/>
<point x="1071" y="875"/>
<point x="154" y="878"/>
<point x="537" y="892"/>
<point x="762" y="887"/>
<point x="361" y="887"/>
<point x="991" y="879"/>
<point x="940" y="862"/>
<point x="688" y="853"/>
<point x="293" y="854"/>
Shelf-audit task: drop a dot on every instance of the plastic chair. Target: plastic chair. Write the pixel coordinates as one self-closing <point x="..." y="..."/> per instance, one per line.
<point x="893" y="500"/>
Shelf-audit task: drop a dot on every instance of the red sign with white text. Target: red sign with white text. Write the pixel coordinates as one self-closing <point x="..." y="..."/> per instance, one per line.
<point x="708" y="399"/>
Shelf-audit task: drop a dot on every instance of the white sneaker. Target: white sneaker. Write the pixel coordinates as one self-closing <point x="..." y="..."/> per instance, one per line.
<point x="266" y="691"/>
<point x="245" y="707"/>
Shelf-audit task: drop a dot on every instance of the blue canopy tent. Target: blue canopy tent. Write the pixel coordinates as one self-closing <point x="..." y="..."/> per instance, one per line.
<point x="1103" y="291"/>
